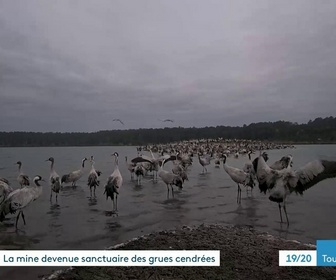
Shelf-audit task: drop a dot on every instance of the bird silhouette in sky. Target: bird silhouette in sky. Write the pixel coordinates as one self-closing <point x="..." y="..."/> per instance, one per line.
<point x="167" y="120"/>
<point x="118" y="120"/>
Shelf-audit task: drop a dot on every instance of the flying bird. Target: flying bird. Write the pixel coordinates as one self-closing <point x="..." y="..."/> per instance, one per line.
<point x="118" y="120"/>
<point x="167" y="120"/>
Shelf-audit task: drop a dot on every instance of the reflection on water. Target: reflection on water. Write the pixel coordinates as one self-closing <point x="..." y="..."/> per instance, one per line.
<point x="92" y="201"/>
<point x="78" y="221"/>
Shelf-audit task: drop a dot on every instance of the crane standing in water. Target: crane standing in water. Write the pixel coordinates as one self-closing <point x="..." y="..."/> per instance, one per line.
<point x="23" y="179"/>
<point x="54" y="179"/>
<point x="19" y="199"/>
<point x="114" y="183"/>
<point x="74" y="176"/>
<point x="281" y="183"/>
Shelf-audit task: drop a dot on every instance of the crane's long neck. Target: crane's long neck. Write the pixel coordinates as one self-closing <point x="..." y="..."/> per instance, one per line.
<point x="37" y="184"/>
<point x="224" y="164"/>
<point x="52" y="167"/>
<point x="262" y="165"/>
<point x="161" y="167"/>
<point x="289" y="167"/>
<point x="83" y="162"/>
<point x="20" y="171"/>
<point x="116" y="162"/>
<point x="92" y="165"/>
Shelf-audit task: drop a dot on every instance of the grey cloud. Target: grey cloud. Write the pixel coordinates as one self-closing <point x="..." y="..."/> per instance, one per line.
<point x="76" y="65"/>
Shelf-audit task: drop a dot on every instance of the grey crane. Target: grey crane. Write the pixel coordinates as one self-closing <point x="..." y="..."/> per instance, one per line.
<point x="54" y="178"/>
<point x="139" y="171"/>
<point x="19" y="199"/>
<point x="238" y="176"/>
<point x="281" y="183"/>
<point x="204" y="161"/>
<point x="169" y="178"/>
<point x="114" y="183"/>
<point x="130" y="167"/>
<point x="5" y="189"/>
<point x="74" y="176"/>
<point x="248" y="168"/>
<point x="93" y="180"/>
<point x="22" y="178"/>
<point x="155" y="163"/>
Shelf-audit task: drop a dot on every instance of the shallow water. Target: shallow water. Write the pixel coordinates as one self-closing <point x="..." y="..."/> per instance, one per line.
<point x="78" y="222"/>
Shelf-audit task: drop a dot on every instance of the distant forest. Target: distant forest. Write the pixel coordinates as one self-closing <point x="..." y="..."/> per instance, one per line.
<point x="320" y="130"/>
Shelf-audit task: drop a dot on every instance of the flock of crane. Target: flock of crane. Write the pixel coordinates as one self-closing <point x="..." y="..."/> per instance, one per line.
<point x="278" y="179"/>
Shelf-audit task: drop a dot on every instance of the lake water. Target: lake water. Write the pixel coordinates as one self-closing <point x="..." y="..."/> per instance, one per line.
<point x="78" y="222"/>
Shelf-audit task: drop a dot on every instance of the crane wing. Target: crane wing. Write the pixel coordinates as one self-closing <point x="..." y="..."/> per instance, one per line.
<point x="312" y="173"/>
<point x="142" y="159"/>
<point x="265" y="175"/>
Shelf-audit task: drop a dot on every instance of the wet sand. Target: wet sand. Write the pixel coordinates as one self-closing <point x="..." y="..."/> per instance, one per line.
<point x="245" y="254"/>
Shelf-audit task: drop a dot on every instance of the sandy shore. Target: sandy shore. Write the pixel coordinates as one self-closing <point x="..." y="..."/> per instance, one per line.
<point x="245" y="254"/>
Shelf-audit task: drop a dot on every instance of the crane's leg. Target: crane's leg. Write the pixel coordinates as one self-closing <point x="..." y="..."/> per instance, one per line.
<point x="172" y="190"/>
<point x="17" y="219"/>
<point x="167" y="191"/>
<point x="116" y="203"/>
<point x="284" y="208"/>
<point x="113" y="209"/>
<point x="206" y="170"/>
<point x="94" y="191"/>
<point x="51" y="195"/>
<point x="280" y="212"/>
<point x="238" y="193"/>
<point x="23" y="218"/>
<point x="56" y="197"/>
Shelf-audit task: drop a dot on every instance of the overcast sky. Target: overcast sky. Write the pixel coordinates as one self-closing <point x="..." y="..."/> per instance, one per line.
<point x="77" y="65"/>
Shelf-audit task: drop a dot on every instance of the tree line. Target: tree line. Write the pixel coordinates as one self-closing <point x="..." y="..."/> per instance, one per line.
<point x="320" y="130"/>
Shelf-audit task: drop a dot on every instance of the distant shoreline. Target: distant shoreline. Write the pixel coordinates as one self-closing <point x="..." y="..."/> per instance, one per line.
<point x="115" y="145"/>
<point x="318" y="131"/>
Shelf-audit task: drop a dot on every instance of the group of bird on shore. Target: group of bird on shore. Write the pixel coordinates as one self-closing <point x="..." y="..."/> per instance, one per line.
<point x="278" y="178"/>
